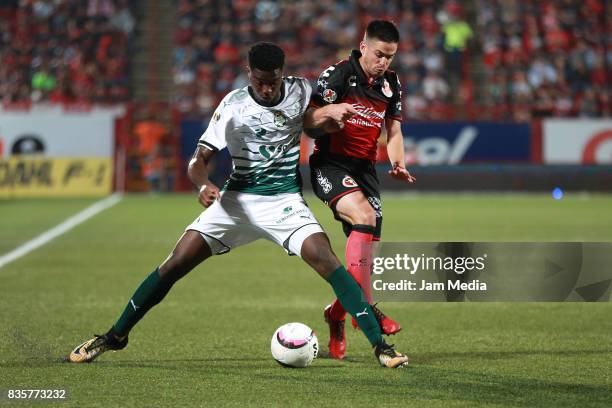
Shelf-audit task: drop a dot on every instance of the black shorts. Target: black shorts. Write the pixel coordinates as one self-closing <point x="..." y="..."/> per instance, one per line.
<point x="333" y="176"/>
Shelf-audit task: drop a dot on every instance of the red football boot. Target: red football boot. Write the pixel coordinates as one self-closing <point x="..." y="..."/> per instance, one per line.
<point x="337" y="338"/>
<point x="388" y="326"/>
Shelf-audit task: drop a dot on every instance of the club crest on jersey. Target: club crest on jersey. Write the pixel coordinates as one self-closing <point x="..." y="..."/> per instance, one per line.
<point x="348" y="181"/>
<point x="329" y="96"/>
<point x="216" y="116"/>
<point x="386" y="89"/>
<point x="279" y="119"/>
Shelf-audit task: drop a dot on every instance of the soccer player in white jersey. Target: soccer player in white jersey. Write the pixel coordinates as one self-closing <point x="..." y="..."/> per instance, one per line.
<point x="261" y="126"/>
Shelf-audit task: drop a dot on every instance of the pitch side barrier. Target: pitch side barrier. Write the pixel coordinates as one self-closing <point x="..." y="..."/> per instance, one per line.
<point x="48" y="151"/>
<point x="572" y="154"/>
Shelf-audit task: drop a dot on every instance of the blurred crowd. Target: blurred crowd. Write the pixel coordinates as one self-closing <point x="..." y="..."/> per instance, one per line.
<point x="488" y="59"/>
<point x="498" y="59"/>
<point x="213" y="37"/>
<point x="546" y="58"/>
<point x="64" y="51"/>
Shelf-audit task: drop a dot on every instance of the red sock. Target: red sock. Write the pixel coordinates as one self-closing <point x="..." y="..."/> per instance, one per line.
<point x="358" y="257"/>
<point x="337" y="312"/>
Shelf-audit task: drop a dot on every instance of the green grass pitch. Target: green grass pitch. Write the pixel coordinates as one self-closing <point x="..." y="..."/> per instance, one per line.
<point x="207" y="343"/>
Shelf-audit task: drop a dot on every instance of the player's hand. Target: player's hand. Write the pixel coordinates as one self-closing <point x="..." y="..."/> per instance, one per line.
<point x="208" y="194"/>
<point x="341" y="112"/>
<point x="400" y="173"/>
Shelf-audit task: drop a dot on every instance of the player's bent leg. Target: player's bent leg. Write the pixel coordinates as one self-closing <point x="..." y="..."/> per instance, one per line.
<point x="317" y="252"/>
<point x="190" y="250"/>
<point x="358" y="219"/>
<point x="351" y="296"/>
<point x="356" y="210"/>
<point x="353" y="209"/>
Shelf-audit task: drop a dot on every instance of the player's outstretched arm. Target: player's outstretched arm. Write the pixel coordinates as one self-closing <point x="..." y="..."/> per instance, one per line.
<point x="330" y="118"/>
<point x="198" y="174"/>
<point x="395" y="150"/>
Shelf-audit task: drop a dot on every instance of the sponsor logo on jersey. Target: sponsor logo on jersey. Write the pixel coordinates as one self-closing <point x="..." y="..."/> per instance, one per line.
<point x="322" y="83"/>
<point x="367" y="116"/>
<point x="279" y="119"/>
<point x="386" y="89"/>
<point x="352" y="80"/>
<point x="260" y="132"/>
<point x="369" y="112"/>
<point x="348" y="181"/>
<point x="329" y="96"/>
<point x="289" y="212"/>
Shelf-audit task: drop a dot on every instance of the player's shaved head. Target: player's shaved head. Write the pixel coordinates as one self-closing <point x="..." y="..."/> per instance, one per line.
<point x="382" y="30"/>
<point x="266" y="56"/>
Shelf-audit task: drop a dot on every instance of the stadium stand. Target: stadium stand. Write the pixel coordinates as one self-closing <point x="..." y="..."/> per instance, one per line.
<point x="66" y="52"/>
<point x="546" y="58"/>
<point x="550" y="59"/>
<point x="480" y="59"/>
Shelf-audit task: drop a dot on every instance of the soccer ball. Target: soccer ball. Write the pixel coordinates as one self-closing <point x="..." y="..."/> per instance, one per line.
<point x="294" y="345"/>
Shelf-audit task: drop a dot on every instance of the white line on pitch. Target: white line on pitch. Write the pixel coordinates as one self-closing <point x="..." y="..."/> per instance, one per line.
<point x="59" y="229"/>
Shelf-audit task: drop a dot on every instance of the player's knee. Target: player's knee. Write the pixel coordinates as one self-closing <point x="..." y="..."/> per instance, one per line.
<point x="318" y="254"/>
<point x="189" y="252"/>
<point x="327" y="260"/>
<point x="324" y="262"/>
<point x="365" y="216"/>
<point x="173" y="268"/>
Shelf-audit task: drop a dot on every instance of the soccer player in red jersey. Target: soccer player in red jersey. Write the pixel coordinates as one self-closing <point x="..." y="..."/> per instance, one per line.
<point x="342" y="166"/>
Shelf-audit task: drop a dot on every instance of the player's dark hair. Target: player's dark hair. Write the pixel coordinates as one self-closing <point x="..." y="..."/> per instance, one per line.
<point x="382" y="30"/>
<point x="266" y="56"/>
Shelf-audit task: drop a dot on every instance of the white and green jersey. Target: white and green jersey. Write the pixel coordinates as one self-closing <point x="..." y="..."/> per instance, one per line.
<point x="264" y="142"/>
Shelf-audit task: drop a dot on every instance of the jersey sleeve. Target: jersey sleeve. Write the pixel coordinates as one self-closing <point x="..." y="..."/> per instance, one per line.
<point x="213" y="137"/>
<point x="394" y="110"/>
<point x="331" y="87"/>
<point x="305" y="90"/>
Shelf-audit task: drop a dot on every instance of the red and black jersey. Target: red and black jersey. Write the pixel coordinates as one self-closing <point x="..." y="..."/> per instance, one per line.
<point x="375" y="101"/>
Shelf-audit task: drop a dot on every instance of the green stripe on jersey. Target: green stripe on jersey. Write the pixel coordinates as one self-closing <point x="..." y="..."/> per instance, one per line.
<point x="245" y="170"/>
<point x="266" y="186"/>
<point x="276" y="179"/>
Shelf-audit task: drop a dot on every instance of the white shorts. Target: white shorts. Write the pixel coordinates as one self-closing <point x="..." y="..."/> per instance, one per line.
<point x="239" y="218"/>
